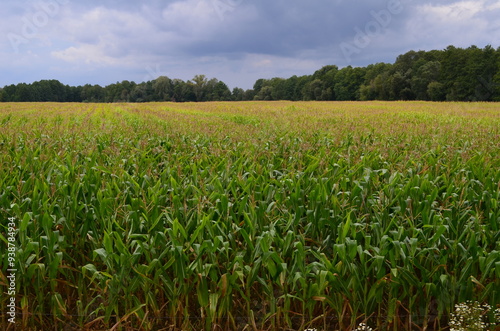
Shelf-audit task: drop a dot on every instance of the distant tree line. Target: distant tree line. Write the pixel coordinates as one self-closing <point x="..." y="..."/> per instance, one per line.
<point x="160" y="89"/>
<point x="452" y="74"/>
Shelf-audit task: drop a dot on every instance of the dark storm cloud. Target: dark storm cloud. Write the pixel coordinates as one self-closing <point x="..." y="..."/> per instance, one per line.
<point x="286" y="28"/>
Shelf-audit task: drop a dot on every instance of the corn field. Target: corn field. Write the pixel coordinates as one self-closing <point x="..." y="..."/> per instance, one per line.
<point x="250" y="215"/>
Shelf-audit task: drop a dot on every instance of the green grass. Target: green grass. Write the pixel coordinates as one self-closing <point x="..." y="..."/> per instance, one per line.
<point x="264" y="216"/>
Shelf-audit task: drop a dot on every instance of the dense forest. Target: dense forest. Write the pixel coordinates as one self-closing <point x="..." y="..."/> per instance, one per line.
<point x="452" y="74"/>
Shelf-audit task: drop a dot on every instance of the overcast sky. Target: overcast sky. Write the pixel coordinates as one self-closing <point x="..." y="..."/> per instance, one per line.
<point x="236" y="41"/>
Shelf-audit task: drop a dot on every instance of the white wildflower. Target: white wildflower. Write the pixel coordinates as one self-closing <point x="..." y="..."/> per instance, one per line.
<point x="363" y="327"/>
<point x="468" y="316"/>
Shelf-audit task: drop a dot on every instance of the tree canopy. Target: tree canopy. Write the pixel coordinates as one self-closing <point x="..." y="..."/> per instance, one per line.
<point x="452" y="74"/>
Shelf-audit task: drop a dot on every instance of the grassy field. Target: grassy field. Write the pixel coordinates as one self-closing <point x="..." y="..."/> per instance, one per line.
<point x="254" y="215"/>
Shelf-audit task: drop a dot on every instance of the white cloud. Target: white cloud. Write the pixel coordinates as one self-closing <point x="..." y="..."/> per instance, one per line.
<point x="103" y="36"/>
<point x="105" y="24"/>
<point x="460" y="23"/>
<point x="262" y="63"/>
<point x="192" y="17"/>
<point x="453" y="13"/>
<point x="493" y="6"/>
<point x="86" y="54"/>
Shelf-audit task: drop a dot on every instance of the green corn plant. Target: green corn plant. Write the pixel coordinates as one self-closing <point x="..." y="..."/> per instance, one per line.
<point x="208" y="216"/>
